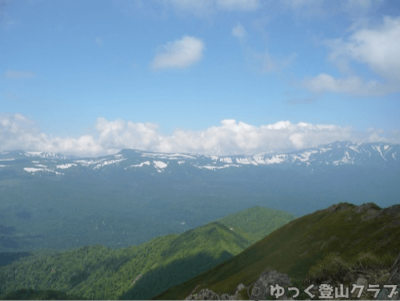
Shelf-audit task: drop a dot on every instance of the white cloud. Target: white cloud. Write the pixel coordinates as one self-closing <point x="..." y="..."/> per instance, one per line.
<point x="231" y="137"/>
<point x="351" y="85"/>
<point x="378" y="47"/>
<point x="19" y="74"/>
<point x="179" y="54"/>
<point x="239" y="32"/>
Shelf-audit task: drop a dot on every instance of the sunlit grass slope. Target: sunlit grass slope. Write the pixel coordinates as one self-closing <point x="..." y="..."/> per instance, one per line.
<point x="141" y="272"/>
<point x="255" y="222"/>
<point x="295" y="248"/>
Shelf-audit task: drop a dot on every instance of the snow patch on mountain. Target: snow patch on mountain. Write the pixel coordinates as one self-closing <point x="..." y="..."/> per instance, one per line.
<point x="109" y="162"/>
<point x="304" y="157"/>
<point x="276" y="159"/>
<point x="245" y="161"/>
<point x="324" y="150"/>
<point x="174" y="156"/>
<point x="44" y="155"/>
<point x="88" y="162"/>
<point x="65" y="166"/>
<point x="354" y="149"/>
<point x="226" y="160"/>
<point x="139" y="165"/>
<point x="211" y="167"/>
<point x="378" y="148"/>
<point x="33" y="170"/>
<point x="160" y="165"/>
<point x="345" y="160"/>
<point x="181" y="156"/>
<point x="33" y="154"/>
<point x="40" y="165"/>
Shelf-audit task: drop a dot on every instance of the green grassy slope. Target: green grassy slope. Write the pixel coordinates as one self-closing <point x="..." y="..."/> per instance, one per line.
<point x="344" y="229"/>
<point x="256" y="222"/>
<point x="139" y="272"/>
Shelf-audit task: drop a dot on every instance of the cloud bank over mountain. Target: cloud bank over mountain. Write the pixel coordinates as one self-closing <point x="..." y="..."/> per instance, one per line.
<point x="229" y="138"/>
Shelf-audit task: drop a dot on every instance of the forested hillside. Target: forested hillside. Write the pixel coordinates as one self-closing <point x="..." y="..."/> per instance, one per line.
<point x="140" y="272"/>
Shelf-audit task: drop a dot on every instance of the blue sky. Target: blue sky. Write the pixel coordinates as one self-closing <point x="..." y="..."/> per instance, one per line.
<point x="206" y="76"/>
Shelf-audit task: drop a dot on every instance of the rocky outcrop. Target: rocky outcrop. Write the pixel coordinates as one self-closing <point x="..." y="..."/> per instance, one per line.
<point x="395" y="272"/>
<point x="204" y="294"/>
<point x="266" y="279"/>
<point x="261" y="288"/>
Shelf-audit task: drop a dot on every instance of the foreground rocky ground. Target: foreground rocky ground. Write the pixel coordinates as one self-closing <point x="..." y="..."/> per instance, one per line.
<point x="380" y="284"/>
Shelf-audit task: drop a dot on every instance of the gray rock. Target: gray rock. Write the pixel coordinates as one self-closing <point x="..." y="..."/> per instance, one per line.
<point x="191" y="297"/>
<point x="362" y="281"/>
<point x="225" y="297"/>
<point x="272" y="277"/>
<point x="206" y="294"/>
<point x="240" y="287"/>
<point x="384" y="295"/>
<point x="395" y="272"/>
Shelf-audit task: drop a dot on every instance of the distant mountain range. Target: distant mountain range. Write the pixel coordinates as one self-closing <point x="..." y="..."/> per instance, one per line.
<point x="58" y="202"/>
<point x="334" y="154"/>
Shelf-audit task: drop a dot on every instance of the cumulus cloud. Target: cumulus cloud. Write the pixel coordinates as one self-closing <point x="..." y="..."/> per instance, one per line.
<point x="377" y="47"/>
<point x="19" y="74"/>
<point x="179" y="54"/>
<point x="229" y="138"/>
<point x="239" y="32"/>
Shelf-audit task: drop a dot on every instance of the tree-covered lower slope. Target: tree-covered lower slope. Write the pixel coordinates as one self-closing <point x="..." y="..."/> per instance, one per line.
<point x="299" y="247"/>
<point x="140" y="272"/>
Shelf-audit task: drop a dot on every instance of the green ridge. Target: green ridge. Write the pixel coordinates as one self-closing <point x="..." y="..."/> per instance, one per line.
<point x="298" y="246"/>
